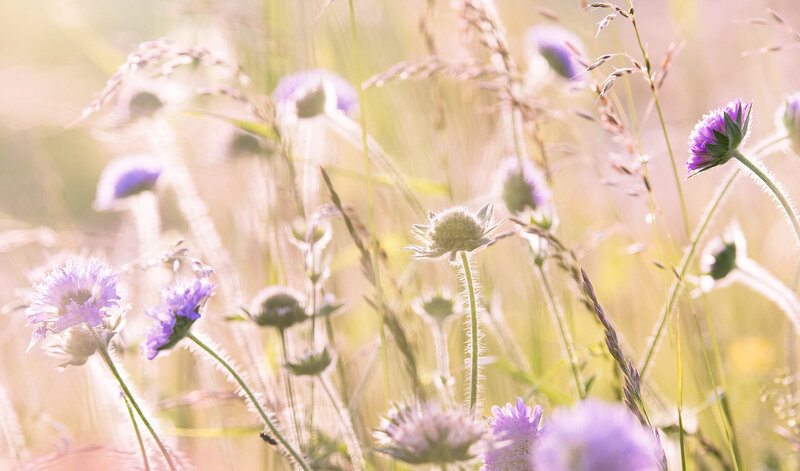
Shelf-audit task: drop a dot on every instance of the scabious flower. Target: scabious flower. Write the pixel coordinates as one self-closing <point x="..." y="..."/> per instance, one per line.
<point x="180" y="308"/>
<point x="522" y="186"/>
<point x="436" y="308"/>
<point x="426" y="433"/>
<point x="125" y="176"/>
<point x="553" y="43"/>
<point x="310" y="92"/>
<point x="279" y="307"/>
<point x="311" y="363"/>
<point x="80" y="291"/>
<point x="514" y="429"/>
<point x="76" y="345"/>
<point x="451" y="231"/>
<point x="717" y="136"/>
<point x="788" y="118"/>
<point x="723" y="253"/>
<point x="595" y="436"/>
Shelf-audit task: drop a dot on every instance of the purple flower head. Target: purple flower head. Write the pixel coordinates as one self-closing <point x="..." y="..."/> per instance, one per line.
<point x="523" y="187"/>
<point x="557" y="46"/>
<point x="717" y="136"/>
<point x="126" y="176"/>
<point x="789" y="119"/>
<point x="80" y="291"/>
<point x="514" y="431"/>
<point x="175" y="315"/>
<point x="596" y="436"/>
<point x="309" y="92"/>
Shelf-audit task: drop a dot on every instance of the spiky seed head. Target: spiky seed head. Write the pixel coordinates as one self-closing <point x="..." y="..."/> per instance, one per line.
<point x="788" y="118"/>
<point x="311" y="363"/>
<point x="717" y="136"/>
<point x="436" y="308"/>
<point x="454" y="230"/>
<point x="76" y="345"/>
<point x="428" y="433"/>
<point x="279" y="307"/>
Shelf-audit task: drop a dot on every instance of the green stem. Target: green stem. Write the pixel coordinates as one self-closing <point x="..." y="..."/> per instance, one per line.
<point x="442" y="358"/>
<point x="762" y="174"/>
<point x="370" y="205"/>
<point x="275" y="432"/>
<point x="347" y="425"/>
<point x="473" y="324"/>
<point x="138" y="434"/>
<point x="679" y="354"/>
<point x="563" y="330"/>
<point x="289" y="389"/>
<point x="114" y="371"/>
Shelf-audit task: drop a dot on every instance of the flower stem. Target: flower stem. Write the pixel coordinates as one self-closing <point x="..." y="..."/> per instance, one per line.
<point x="138" y="434"/>
<point x="347" y="424"/>
<point x="289" y="389"/>
<point x="442" y="358"/>
<point x="114" y="371"/>
<point x="761" y="280"/>
<point x="763" y="175"/>
<point x="473" y="323"/>
<point x="563" y="330"/>
<point x="275" y="432"/>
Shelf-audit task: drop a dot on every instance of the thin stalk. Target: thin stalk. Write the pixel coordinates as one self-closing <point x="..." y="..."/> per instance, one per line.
<point x="474" y="332"/>
<point x="687" y="259"/>
<point x="275" y="432"/>
<point x="101" y="348"/>
<point x="347" y="424"/>
<point x="761" y="280"/>
<point x="679" y="353"/>
<point x="563" y="330"/>
<point x="371" y="207"/>
<point x="654" y="91"/>
<point x="763" y="175"/>
<point x="289" y="389"/>
<point x="442" y="358"/>
<point x="138" y="434"/>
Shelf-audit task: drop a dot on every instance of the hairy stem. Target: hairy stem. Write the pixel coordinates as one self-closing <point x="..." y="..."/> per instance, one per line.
<point x="348" y="431"/>
<point x="289" y="389"/>
<point x="138" y="434"/>
<point x="474" y="349"/>
<point x="275" y="432"/>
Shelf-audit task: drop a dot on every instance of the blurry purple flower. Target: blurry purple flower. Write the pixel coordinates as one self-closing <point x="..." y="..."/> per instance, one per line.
<point x="717" y="136"/>
<point x="175" y="315"/>
<point x="514" y="431"/>
<point x="309" y="91"/>
<point x="553" y="44"/>
<point x="427" y="433"/>
<point x="126" y="176"/>
<point x="595" y="436"/>
<point x="78" y="292"/>
<point x="789" y="119"/>
<point x="523" y="186"/>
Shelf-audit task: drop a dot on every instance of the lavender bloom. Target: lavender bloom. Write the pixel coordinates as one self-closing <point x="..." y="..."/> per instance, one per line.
<point x="553" y="44"/>
<point x="423" y="433"/>
<point x="126" y="176"/>
<point x="78" y="292"/>
<point x="523" y="186"/>
<point x="308" y="92"/>
<point x="716" y="137"/>
<point x="514" y="431"/>
<point x="175" y="315"/>
<point x="789" y="119"/>
<point x="596" y="436"/>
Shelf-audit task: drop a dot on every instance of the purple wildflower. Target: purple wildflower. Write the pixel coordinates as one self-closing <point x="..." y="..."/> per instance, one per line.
<point x="789" y="119"/>
<point x="80" y="291"/>
<point x="514" y="431"/>
<point x="523" y="186"/>
<point x="716" y="137"/>
<point x="558" y="47"/>
<point x="309" y="91"/>
<point x="175" y="315"/>
<point x="126" y="176"/>
<point x="596" y="436"/>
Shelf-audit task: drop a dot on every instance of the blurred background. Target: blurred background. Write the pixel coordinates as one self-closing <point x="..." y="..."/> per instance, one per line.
<point x="445" y="135"/>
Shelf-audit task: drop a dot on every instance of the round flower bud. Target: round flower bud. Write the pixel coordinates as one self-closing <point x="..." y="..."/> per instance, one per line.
<point x="311" y="363"/>
<point x="245" y="144"/>
<point x="143" y="104"/>
<point x="312" y="92"/>
<point x="716" y="137"/>
<point x="789" y="119"/>
<point x="279" y="307"/>
<point x="436" y="308"/>
<point x="723" y="253"/>
<point x="522" y="186"/>
<point x="452" y="231"/>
